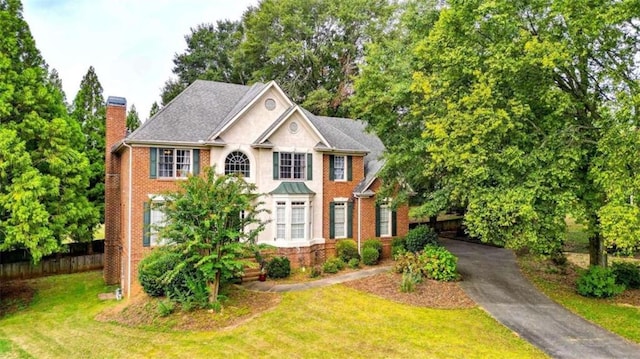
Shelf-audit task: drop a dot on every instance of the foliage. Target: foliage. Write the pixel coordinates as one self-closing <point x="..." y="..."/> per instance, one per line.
<point x="43" y="171"/>
<point x="409" y="281"/>
<point x="520" y="111"/>
<point x="315" y="272"/>
<point x="598" y="282"/>
<point x="88" y="109"/>
<point x="407" y="262"/>
<point x="398" y="246"/>
<point x="373" y="243"/>
<point x="627" y="274"/>
<point x="152" y="269"/>
<point x="419" y="237"/>
<point x="154" y="109"/>
<point x="210" y="220"/>
<point x="354" y="263"/>
<point x="279" y="267"/>
<point x="333" y="265"/>
<point x="133" y="119"/>
<point x="438" y="263"/>
<point x="370" y="256"/>
<point x="347" y="249"/>
<point x="166" y="307"/>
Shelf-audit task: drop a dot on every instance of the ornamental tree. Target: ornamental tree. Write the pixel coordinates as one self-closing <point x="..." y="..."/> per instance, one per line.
<point x="210" y="220"/>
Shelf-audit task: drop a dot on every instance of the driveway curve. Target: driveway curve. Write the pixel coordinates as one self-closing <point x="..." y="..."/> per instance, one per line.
<point x="493" y="280"/>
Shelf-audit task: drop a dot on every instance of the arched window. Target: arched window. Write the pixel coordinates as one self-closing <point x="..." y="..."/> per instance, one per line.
<point x="237" y="162"/>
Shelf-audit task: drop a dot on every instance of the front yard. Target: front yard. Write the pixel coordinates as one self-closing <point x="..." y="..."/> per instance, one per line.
<point x="335" y="321"/>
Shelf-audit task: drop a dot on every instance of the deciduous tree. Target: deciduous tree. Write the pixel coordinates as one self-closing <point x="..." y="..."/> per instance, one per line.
<point x="209" y="221"/>
<point x="43" y="172"/>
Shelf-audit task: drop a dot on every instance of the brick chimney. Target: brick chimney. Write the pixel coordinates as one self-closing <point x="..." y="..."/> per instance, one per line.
<point x="116" y="130"/>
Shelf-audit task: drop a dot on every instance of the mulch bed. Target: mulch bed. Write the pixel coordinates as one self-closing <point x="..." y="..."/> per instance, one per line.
<point x="429" y="293"/>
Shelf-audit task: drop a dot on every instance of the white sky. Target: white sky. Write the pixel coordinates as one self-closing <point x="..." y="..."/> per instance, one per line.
<point x="130" y="43"/>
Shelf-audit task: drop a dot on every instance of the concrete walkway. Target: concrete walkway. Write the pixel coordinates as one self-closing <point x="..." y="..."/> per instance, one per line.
<point x="271" y="287"/>
<point x="492" y="279"/>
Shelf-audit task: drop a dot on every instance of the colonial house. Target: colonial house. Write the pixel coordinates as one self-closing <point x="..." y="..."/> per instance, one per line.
<point x="317" y="174"/>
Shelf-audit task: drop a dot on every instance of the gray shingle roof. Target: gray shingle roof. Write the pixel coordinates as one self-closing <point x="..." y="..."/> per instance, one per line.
<point x="199" y="111"/>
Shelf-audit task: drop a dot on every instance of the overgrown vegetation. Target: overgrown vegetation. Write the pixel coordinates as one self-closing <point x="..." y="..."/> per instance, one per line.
<point x="627" y="274"/>
<point x="434" y="262"/>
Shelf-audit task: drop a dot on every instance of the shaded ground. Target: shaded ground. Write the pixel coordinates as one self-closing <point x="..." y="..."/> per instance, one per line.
<point x="15" y="295"/>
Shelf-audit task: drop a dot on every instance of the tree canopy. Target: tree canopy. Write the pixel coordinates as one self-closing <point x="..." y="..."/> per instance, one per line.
<point x="88" y="109"/>
<point x="43" y="172"/>
<point x="133" y="119"/>
<point x="311" y="48"/>
<point x="527" y="111"/>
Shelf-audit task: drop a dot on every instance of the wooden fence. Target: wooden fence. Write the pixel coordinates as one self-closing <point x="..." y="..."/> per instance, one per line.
<point x="51" y="266"/>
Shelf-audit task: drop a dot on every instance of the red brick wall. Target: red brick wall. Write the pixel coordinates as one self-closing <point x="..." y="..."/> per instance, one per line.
<point x="333" y="189"/>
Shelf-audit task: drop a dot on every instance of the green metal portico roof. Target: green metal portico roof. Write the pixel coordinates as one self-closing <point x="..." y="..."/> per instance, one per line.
<point x="292" y="188"/>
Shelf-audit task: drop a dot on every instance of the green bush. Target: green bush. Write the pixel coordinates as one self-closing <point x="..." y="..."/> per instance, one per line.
<point x="438" y="263"/>
<point x="165" y="307"/>
<point x="354" y="263"/>
<point x="333" y="265"/>
<point x="315" y="272"/>
<point x="370" y="256"/>
<point x="373" y="243"/>
<point x="347" y="249"/>
<point x="398" y="246"/>
<point x="598" y="282"/>
<point x="627" y="274"/>
<point x="419" y="237"/>
<point x="409" y="281"/>
<point x="279" y="267"/>
<point x="152" y="272"/>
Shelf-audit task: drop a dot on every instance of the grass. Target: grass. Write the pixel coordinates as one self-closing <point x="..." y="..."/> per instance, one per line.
<point x="335" y="321"/>
<point x="618" y="318"/>
<point x="577" y="240"/>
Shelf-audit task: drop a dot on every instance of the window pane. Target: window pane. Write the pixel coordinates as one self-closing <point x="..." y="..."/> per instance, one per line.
<point x="297" y="220"/>
<point x="338" y="167"/>
<point x="299" y="168"/>
<point x="157" y="222"/>
<point x="280" y="220"/>
<point x="385" y="216"/>
<point x="339" y="217"/>
<point x="286" y="164"/>
<point x="165" y="162"/>
<point x="183" y="163"/>
<point x="237" y="162"/>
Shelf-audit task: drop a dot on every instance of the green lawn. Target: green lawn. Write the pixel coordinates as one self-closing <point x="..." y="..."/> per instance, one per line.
<point x="618" y="318"/>
<point x="325" y="323"/>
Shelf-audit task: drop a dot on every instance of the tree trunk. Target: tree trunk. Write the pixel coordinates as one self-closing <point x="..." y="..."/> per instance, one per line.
<point x="597" y="254"/>
<point x="433" y="223"/>
<point x="215" y="286"/>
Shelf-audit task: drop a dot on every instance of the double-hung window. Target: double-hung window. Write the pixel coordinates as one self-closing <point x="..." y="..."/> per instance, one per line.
<point x="292" y="219"/>
<point x="340" y="219"/>
<point x="385" y="221"/>
<point x="173" y="162"/>
<point x="298" y="220"/>
<point x="281" y="220"/>
<point x="340" y="168"/>
<point x="293" y="166"/>
<point x="154" y="220"/>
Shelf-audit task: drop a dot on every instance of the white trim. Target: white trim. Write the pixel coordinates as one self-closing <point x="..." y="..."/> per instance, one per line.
<point x="270" y="85"/>
<point x="286" y="118"/>
<point x="341" y="199"/>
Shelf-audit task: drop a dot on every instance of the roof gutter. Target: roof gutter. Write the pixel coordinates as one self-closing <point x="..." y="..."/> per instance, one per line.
<point x="120" y="144"/>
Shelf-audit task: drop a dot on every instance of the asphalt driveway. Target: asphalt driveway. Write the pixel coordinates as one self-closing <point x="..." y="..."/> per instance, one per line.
<point x="492" y="279"/>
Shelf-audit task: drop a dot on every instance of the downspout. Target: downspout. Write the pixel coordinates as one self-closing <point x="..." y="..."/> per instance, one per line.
<point x="359" y="222"/>
<point x="129" y="215"/>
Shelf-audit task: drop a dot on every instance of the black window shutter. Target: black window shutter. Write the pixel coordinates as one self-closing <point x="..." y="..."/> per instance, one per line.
<point x="146" y="228"/>
<point x="276" y="165"/>
<point x="394" y="226"/>
<point x="331" y="177"/>
<point x="332" y="216"/>
<point x="377" y="221"/>
<point x="196" y="162"/>
<point x="309" y="166"/>
<point x="350" y="219"/>
<point x="349" y="165"/>
<point x="153" y="162"/>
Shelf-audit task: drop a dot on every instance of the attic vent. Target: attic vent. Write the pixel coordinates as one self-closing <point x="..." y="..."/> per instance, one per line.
<point x="270" y="104"/>
<point x="293" y="127"/>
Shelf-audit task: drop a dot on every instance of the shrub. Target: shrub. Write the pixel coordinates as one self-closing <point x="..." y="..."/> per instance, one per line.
<point x="315" y="272"/>
<point x="347" y="249"/>
<point x="165" y="307"/>
<point x="354" y="263"/>
<point x="333" y="265"/>
<point x="373" y="243"/>
<point x="598" y="282"/>
<point x="627" y="274"/>
<point x="438" y="263"/>
<point x="407" y="262"/>
<point x="279" y="267"/>
<point x="398" y="246"/>
<point x="409" y="281"/>
<point x="190" y="289"/>
<point x="152" y="270"/>
<point x="419" y="237"/>
<point x="370" y="256"/>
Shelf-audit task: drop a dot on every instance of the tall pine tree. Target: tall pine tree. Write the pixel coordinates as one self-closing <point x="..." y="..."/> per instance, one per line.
<point x="133" y="119"/>
<point x="90" y="112"/>
<point x="43" y="171"/>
